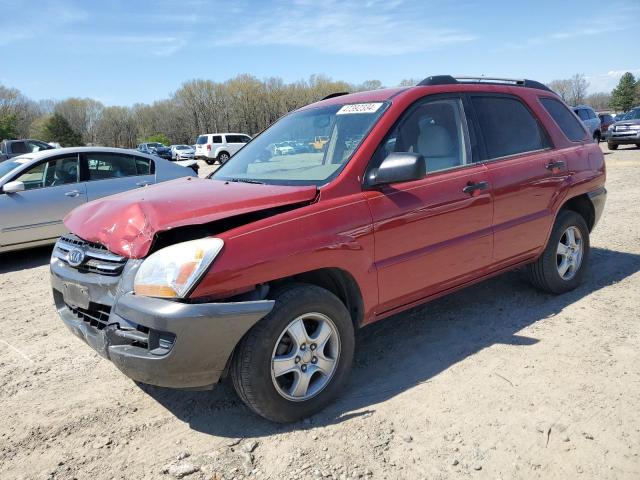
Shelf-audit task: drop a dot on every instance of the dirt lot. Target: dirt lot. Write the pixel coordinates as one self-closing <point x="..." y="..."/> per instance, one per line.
<point x="498" y="381"/>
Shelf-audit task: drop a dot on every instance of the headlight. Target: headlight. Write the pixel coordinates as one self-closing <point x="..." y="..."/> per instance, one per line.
<point x="172" y="271"/>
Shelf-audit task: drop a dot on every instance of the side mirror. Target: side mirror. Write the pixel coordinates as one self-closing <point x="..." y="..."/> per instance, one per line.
<point x="399" y="167"/>
<point x="13" y="187"/>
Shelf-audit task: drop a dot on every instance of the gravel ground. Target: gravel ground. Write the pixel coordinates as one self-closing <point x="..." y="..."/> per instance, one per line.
<point x="498" y="381"/>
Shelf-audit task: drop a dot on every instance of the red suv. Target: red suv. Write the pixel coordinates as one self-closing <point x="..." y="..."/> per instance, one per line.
<point x="265" y="270"/>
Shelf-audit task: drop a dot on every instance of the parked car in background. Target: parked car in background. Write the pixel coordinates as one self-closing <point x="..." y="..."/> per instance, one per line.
<point x="606" y="120"/>
<point x="182" y="152"/>
<point x="265" y="270"/>
<point x="590" y="120"/>
<point x="219" y="147"/>
<point x="13" y="148"/>
<point x="282" y="148"/>
<point x="155" y="148"/>
<point x="38" y="189"/>
<point x="625" y="131"/>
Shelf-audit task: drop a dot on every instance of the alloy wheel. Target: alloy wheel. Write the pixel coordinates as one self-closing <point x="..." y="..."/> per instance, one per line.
<point x="305" y="357"/>
<point x="569" y="253"/>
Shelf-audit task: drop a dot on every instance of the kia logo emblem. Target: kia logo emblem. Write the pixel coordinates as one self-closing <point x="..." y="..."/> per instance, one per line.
<point x="75" y="257"/>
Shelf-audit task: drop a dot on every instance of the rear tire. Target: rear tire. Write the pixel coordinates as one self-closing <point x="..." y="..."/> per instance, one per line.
<point x="223" y="158"/>
<point x="596" y="137"/>
<point x="563" y="262"/>
<point x="272" y="388"/>
<point x="612" y="146"/>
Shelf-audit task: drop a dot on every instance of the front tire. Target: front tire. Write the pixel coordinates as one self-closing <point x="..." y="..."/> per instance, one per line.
<point x="297" y="359"/>
<point x="563" y="262"/>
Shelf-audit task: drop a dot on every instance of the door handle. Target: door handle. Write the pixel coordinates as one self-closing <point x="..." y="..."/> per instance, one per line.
<point x="473" y="188"/>
<point x="143" y="183"/>
<point x="72" y="193"/>
<point x="555" y="165"/>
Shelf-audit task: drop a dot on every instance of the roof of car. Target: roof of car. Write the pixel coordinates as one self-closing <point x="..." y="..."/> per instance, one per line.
<point x="71" y="150"/>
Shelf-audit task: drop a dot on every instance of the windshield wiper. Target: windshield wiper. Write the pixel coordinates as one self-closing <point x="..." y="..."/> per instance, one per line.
<point x="247" y="180"/>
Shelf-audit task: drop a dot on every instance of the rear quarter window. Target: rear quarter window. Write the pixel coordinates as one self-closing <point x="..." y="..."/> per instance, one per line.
<point x="567" y="122"/>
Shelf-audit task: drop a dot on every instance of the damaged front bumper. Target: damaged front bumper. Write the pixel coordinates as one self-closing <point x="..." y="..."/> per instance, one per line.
<point x="160" y="342"/>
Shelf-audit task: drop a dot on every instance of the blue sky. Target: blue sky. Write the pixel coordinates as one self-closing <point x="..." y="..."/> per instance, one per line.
<point x="123" y="52"/>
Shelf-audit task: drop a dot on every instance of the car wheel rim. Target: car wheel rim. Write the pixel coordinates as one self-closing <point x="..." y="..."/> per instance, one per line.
<point x="224" y="158"/>
<point x="305" y="357"/>
<point x="569" y="253"/>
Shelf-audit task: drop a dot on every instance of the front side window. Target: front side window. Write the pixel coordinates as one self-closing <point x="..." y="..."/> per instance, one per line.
<point x="508" y="127"/>
<point x="35" y="146"/>
<point x="567" y="122"/>
<point x="103" y="166"/>
<point x="435" y="129"/>
<point x="59" y="171"/>
<point x="307" y="147"/>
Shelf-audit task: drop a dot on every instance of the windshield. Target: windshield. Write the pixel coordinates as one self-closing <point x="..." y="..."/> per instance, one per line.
<point x="308" y="147"/>
<point x="183" y="147"/>
<point x="155" y="145"/>
<point x="8" y="165"/>
<point x="633" y="114"/>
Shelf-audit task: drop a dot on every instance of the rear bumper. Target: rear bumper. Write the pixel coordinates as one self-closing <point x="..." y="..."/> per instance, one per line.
<point x="156" y="341"/>
<point x="598" y="199"/>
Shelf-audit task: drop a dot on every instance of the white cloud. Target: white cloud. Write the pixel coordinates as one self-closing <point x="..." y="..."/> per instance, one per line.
<point x="618" y="17"/>
<point x="151" y="44"/>
<point x="375" y="27"/>
<point x="605" y="82"/>
<point x="56" y="13"/>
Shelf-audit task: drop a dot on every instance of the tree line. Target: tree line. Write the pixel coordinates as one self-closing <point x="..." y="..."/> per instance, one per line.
<point x="242" y="104"/>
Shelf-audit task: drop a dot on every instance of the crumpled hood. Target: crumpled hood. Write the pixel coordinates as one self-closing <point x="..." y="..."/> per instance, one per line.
<point x="126" y="223"/>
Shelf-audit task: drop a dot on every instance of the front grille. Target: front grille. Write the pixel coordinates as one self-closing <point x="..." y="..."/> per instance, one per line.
<point x="97" y="259"/>
<point x="97" y="315"/>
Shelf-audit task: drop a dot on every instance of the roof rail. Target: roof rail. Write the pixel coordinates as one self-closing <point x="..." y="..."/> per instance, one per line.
<point x="450" y="80"/>
<point x="336" y="94"/>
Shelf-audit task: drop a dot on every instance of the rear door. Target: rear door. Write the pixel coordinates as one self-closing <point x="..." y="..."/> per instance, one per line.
<point x="111" y="173"/>
<point x="52" y="189"/>
<point x="518" y="155"/>
<point x="435" y="233"/>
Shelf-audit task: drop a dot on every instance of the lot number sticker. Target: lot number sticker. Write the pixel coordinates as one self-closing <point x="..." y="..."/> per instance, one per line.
<point x="359" y="108"/>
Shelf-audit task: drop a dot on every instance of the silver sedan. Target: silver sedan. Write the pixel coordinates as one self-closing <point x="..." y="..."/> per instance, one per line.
<point x="37" y="190"/>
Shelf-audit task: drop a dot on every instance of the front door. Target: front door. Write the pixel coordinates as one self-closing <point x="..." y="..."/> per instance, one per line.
<point x="435" y="233"/>
<point x="51" y="191"/>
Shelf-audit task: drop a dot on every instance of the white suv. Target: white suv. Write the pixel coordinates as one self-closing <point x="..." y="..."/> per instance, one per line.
<point x="219" y="146"/>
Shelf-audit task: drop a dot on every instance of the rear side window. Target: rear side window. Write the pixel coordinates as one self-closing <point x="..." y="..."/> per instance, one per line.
<point x="144" y="166"/>
<point x="567" y="122"/>
<point x="216" y="139"/>
<point x="582" y="113"/>
<point x="103" y="166"/>
<point x="508" y="127"/>
<point x="19" y="147"/>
